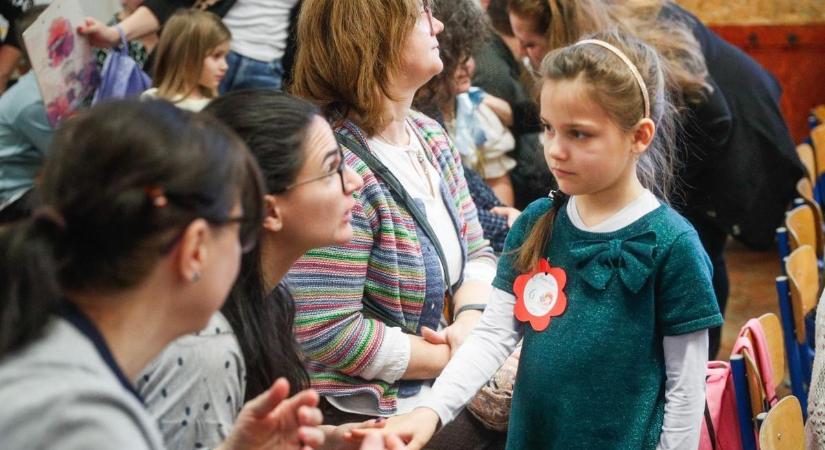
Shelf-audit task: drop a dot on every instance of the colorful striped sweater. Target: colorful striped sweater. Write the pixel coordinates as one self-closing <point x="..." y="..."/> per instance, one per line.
<point x="382" y="267"/>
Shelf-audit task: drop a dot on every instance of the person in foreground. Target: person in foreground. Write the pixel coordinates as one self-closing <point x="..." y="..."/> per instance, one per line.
<point x="608" y="286"/>
<point x="144" y="212"/>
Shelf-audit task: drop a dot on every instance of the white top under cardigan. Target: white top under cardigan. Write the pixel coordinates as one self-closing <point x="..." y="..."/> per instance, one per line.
<point x="393" y="355"/>
<point x="498" y="332"/>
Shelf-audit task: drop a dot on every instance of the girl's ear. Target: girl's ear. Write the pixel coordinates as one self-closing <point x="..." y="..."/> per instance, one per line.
<point x="272" y="220"/>
<point x="192" y="255"/>
<point x="643" y="134"/>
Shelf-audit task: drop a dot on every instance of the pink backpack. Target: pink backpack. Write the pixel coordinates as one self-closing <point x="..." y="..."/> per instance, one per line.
<point x="720" y="429"/>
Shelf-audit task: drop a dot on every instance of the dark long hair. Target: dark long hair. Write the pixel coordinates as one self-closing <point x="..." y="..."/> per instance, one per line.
<point x="100" y="226"/>
<point x="274" y="127"/>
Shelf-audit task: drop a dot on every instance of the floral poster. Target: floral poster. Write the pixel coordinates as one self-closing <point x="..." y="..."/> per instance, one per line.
<point x="62" y="60"/>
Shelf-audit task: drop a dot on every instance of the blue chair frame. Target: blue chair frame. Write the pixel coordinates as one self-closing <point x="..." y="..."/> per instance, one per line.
<point x="792" y="347"/>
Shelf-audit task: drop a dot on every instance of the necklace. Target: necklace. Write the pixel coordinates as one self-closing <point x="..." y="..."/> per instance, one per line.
<point x="414" y="150"/>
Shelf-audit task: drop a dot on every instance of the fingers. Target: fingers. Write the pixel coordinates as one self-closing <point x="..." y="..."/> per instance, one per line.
<point x="498" y="210"/>
<point x="311" y="437"/>
<point x="373" y="441"/>
<point x="433" y="337"/>
<point x="267" y="401"/>
<point x="394" y="442"/>
<point x="309" y="416"/>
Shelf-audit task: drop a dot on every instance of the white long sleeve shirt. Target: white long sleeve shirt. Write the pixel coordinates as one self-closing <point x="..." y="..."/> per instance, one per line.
<point x="498" y="333"/>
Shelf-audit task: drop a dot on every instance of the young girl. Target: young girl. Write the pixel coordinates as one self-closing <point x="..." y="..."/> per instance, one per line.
<point x="191" y="59"/>
<point x="608" y="286"/>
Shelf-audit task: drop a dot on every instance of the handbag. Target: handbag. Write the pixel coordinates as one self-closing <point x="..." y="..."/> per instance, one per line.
<point x="121" y="76"/>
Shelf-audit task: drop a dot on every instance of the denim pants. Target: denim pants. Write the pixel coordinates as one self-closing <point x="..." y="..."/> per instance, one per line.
<point x="248" y="73"/>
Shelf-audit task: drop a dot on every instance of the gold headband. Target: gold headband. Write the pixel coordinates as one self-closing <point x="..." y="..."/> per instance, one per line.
<point x="630" y="66"/>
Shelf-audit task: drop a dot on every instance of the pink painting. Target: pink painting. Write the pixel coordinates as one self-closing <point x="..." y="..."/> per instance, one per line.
<point x="62" y="60"/>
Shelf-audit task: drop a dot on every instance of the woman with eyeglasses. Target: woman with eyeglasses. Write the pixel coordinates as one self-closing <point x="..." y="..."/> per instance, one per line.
<point x="249" y="343"/>
<point x="145" y="211"/>
<point x="380" y="316"/>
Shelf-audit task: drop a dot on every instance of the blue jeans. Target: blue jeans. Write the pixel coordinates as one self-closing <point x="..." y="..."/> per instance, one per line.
<point x="248" y="73"/>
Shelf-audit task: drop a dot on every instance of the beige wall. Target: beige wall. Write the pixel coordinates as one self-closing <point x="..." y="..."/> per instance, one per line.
<point x="757" y="12"/>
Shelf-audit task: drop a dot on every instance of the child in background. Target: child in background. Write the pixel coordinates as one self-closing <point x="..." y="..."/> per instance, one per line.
<point x="608" y="286"/>
<point x="191" y="59"/>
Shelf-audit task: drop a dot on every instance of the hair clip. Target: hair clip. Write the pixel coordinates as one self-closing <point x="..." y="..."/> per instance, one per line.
<point x="156" y="195"/>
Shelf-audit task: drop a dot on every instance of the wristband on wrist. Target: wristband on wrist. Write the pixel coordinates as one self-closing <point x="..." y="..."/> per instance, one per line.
<point x="470" y="307"/>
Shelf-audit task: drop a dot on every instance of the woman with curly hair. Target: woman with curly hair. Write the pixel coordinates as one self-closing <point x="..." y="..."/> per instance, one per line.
<point x="472" y="117"/>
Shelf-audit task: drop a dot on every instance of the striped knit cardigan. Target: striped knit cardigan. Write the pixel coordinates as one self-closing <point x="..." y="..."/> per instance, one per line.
<point x="382" y="266"/>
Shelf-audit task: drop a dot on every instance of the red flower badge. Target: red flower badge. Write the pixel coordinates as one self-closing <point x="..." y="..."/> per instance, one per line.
<point x="540" y="295"/>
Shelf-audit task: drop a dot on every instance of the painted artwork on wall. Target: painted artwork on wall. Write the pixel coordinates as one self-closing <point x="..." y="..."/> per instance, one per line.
<point x="62" y="60"/>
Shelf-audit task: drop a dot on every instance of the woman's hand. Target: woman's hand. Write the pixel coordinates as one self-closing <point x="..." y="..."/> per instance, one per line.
<point x="510" y="213"/>
<point x="99" y="34"/>
<point x="341" y="438"/>
<point x="416" y="428"/>
<point x="273" y="421"/>
<point x="455" y="334"/>
<point x="377" y="441"/>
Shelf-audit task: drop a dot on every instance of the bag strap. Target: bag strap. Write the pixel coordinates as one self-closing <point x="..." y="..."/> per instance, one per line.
<point x="124" y="44"/>
<point x="361" y="150"/>
<point x="711" y="430"/>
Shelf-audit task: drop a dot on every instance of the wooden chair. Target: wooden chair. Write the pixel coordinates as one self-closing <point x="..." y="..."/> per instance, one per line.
<point x="818" y="139"/>
<point x="803" y="286"/>
<point x="783" y="427"/>
<point x="806" y="155"/>
<point x="801" y="225"/>
<point x="806" y="196"/>
<point x="773" y="334"/>
<point x="819" y="113"/>
<point x="749" y="374"/>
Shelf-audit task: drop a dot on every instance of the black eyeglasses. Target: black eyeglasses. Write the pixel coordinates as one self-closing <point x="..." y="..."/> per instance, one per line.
<point x="427" y="10"/>
<point x="339" y="170"/>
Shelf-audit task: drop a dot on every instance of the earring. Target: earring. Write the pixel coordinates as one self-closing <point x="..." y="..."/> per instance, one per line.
<point x="195" y="277"/>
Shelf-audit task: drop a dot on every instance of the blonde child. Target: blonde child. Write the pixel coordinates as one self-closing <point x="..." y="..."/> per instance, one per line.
<point x="191" y="59"/>
<point x="617" y="358"/>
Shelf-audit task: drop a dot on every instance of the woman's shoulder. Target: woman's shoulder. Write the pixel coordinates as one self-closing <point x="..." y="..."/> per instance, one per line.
<point x="61" y="385"/>
<point x="214" y="349"/>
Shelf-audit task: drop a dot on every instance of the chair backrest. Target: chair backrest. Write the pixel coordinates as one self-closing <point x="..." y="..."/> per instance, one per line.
<point x="801" y="225"/>
<point x="804" y="188"/>
<point x="803" y="277"/>
<point x="783" y="428"/>
<point x="806" y="197"/>
<point x="806" y="155"/>
<point x="776" y="346"/>
<point x="819" y="113"/>
<point x="818" y="138"/>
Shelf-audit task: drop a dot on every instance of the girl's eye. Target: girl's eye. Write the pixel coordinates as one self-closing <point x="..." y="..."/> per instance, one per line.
<point x="548" y="129"/>
<point x="576" y="134"/>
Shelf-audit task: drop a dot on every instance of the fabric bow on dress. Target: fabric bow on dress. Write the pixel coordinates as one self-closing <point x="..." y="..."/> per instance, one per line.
<point x="631" y="260"/>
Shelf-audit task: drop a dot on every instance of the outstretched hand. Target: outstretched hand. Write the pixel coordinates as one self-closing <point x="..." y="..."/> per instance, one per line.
<point x="416" y="428"/>
<point x="99" y="34"/>
<point x="273" y="421"/>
